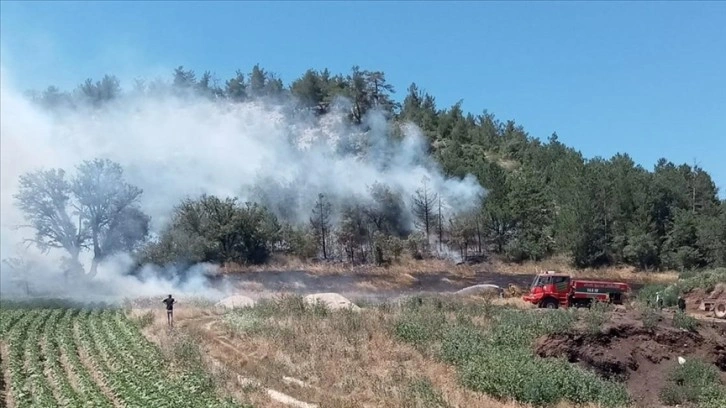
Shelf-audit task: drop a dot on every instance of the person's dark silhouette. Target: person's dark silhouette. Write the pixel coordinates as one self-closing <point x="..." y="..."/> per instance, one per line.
<point x="169" y="310"/>
<point x="681" y="304"/>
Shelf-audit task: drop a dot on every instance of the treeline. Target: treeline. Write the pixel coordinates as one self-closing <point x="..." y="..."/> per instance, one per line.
<point x="544" y="198"/>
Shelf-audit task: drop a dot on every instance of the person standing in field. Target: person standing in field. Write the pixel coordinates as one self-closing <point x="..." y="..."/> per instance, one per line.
<point x="169" y="310"/>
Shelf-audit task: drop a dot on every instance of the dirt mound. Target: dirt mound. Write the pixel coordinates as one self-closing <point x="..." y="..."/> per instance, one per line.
<point x="235" y="301"/>
<point x="627" y="351"/>
<point x="331" y="300"/>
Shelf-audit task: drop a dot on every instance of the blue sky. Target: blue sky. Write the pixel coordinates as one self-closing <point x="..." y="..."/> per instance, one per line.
<point x="646" y="78"/>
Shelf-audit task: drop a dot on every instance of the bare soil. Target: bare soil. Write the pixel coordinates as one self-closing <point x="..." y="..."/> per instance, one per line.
<point x="642" y="357"/>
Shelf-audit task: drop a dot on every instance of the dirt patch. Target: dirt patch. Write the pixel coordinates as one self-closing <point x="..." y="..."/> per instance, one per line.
<point x="641" y="357"/>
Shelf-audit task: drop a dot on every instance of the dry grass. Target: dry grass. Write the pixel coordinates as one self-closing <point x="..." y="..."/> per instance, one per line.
<point x="561" y="265"/>
<point x="344" y="359"/>
<point x="400" y="273"/>
<point x="404" y="266"/>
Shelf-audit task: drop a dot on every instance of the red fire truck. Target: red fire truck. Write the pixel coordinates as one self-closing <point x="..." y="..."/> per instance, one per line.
<point x="552" y="290"/>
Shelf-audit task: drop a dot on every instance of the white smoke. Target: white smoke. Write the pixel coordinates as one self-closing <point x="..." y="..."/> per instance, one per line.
<point x="175" y="147"/>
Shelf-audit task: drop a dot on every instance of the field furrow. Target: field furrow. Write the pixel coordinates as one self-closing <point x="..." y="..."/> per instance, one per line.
<point x="91" y="359"/>
<point x="17" y="338"/>
<point x="42" y="395"/>
<point x="55" y="357"/>
<point x="57" y="376"/>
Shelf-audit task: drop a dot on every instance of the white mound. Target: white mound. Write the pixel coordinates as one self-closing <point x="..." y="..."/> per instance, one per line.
<point x="480" y="290"/>
<point x="235" y="301"/>
<point x="332" y="300"/>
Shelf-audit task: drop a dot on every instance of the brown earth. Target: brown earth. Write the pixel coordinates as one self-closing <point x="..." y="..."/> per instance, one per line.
<point x="346" y="361"/>
<point x="642" y="357"/>
<point x="697" y="296"/>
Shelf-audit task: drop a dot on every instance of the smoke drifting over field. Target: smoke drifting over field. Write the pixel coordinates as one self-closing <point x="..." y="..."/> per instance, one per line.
<point x="174" y="147"/>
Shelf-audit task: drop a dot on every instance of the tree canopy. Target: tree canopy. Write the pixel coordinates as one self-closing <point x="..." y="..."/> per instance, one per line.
<point x="544" y="198"/>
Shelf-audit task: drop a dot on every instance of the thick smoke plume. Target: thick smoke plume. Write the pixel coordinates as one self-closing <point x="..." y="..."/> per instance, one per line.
<point x="175" y="147"/>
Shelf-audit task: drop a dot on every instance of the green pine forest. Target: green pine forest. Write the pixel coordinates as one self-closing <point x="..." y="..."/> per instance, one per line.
<point x="544" y="198"/>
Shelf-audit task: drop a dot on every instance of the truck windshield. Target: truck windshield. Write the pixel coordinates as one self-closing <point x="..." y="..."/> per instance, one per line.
<point x="540" y="280"/>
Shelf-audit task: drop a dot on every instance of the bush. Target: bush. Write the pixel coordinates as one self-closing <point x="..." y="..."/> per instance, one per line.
<point x="684" y="321"/>
<point x="596" y="317"/>
<point x="651" y="317"/>
<point x="517" y="374"/>
<point x="499" y="361"/>
<point x="695" y="382"/>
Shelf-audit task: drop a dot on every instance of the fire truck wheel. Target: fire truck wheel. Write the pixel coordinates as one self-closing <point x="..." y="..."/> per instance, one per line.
<point x="550" y="304"/>
<point x="720" y="310"/>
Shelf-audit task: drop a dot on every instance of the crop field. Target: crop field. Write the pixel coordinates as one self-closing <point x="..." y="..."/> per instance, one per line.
<point x="66" y="357"/>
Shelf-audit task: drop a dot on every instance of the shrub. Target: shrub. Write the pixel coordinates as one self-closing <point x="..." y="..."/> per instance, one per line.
<point x="145" y="320"/>
<point x="651" y="317"/>
<point x="596" y="317"/>
<point x="695" y="381"/>
<point x="499" y="361"/>
<point x="517" y="374"/>
<point x="244" y="321"/>
<point x="684" y="321"/>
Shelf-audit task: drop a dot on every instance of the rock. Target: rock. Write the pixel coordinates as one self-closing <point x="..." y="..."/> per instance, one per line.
<point x="331" y="300"/>
<point x="235" y="302"/>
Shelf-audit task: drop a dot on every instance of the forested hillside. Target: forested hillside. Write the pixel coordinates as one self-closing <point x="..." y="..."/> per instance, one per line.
<point x="543" y="198"/>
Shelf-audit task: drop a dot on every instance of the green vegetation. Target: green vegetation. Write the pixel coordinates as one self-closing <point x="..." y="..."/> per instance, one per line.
<point x="544" y="198"/>
<point x="694" y="382"/>
<point x="684" y="321"/>
<point x="492" y="356"/>
<point x="497" y="358"/>
<point x="106" y="355"/>
<point x="705" y="280"/>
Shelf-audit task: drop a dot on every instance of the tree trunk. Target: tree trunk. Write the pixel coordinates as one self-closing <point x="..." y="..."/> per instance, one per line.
<point x="478" y="235"/>
<point x="96" y="254"/>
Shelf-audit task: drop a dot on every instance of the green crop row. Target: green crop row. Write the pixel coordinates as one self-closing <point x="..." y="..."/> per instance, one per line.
<point x="71" y="358"/>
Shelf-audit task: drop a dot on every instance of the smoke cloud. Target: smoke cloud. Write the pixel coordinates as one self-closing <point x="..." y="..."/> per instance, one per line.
<point x="175" y="147"/>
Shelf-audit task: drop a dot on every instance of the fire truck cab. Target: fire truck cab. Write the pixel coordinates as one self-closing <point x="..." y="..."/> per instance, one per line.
<point x="554" y="290"/>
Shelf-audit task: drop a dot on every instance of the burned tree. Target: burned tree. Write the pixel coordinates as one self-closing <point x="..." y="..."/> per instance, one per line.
<point x="423" y="208"/>
<point x="320" y="222"/>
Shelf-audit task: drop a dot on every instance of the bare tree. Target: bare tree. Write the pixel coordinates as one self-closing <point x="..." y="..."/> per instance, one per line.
<point x="423" y="207"/>
<point x="320" y="221"/>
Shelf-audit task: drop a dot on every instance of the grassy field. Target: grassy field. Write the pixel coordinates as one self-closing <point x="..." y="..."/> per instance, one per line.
<point x="439" y="352"/>
<point x="70" y="357"/>
<point x="434" y="351"/>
